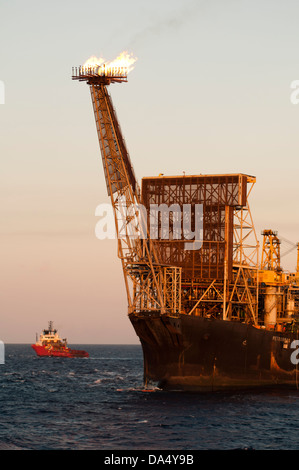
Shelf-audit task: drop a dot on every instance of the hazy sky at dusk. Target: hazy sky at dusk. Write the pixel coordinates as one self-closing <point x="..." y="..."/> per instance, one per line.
<point x="210" y="93"/>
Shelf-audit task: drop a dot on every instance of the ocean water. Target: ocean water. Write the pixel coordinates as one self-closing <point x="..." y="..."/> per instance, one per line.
<point x="99" y="403"/>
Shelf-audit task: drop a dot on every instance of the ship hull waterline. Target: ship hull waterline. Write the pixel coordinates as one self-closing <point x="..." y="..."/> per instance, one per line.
<point x="45" y="352"/>
<point x="197" y="354"/>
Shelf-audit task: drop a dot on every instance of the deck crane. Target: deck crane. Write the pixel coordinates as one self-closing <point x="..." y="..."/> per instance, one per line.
<point x="150" y="286"/>
<point x="271" y="254"/>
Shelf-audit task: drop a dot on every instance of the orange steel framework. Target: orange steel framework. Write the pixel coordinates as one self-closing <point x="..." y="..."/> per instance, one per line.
<point x="271" y="251"/>
<point x="221" y="278"/>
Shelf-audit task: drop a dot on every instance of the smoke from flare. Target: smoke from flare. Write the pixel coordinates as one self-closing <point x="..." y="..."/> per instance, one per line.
<point x="125" y="60"/>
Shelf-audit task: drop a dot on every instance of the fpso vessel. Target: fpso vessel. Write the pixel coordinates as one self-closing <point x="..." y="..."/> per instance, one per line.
<point x="237" y="321"/>
<point x="210" y="312"/>
<point x="50" y="344"/>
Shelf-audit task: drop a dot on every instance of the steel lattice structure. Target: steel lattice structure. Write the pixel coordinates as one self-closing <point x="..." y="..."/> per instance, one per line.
<point x="220" y="279"/>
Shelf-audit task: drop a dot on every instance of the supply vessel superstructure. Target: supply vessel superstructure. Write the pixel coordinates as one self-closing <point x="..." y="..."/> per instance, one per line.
<point x="210" y="312"/>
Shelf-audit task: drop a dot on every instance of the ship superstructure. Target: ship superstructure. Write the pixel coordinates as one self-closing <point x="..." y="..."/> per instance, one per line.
<point x="50" y="336"/>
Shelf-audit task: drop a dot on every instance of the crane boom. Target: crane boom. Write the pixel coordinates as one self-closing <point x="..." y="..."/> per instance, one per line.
<point x="153" y="286"/>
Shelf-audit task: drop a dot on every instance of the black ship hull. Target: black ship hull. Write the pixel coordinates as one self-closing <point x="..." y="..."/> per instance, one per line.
<point x="198" y="354"/>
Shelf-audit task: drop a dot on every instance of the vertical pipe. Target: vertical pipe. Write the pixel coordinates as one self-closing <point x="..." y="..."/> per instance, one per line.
<point x="270" y="317"/>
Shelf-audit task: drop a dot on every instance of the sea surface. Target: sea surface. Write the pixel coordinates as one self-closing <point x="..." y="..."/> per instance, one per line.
<point x="99" y="403"/>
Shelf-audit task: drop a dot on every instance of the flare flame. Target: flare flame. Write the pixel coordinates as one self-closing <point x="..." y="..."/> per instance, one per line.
<point x="124" y="63"/>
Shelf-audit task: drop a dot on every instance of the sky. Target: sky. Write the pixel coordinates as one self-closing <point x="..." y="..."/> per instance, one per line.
<point x="210" y="94"/>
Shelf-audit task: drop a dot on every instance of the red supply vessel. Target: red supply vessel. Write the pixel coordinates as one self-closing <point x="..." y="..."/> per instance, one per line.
<point x="50" y="344"/>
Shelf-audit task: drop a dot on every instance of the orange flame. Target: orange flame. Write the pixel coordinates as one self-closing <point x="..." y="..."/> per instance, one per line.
<point x="125" y="60"/>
